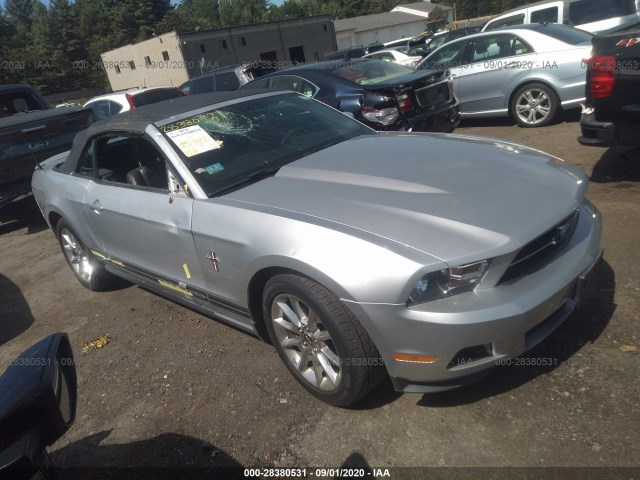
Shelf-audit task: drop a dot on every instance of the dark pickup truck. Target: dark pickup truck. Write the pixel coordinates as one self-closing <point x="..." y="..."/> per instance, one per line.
<point x="31" y="131"/>
<point x="612" y="112"/>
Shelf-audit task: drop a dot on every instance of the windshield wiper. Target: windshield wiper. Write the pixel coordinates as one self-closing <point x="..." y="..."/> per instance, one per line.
<point x="251" y="178"/>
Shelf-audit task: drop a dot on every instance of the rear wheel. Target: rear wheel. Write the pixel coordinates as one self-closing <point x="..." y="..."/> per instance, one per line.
<point x="321" y="342"/>
<point x="535" y="105"/>
<point x="87" y="269"/>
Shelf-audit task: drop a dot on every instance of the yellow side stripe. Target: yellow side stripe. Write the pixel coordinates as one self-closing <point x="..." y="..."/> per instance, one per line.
<point x="175" y="287"/>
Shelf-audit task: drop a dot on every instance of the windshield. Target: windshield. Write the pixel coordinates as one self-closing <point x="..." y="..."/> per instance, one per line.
<point x="371" y="72"/>
<point x="236" y="144"/>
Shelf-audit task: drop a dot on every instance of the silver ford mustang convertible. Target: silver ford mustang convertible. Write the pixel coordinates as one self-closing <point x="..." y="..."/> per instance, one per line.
<point x="427" y="257"/>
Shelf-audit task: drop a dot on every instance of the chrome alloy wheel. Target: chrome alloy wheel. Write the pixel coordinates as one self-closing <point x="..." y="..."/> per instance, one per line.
<point x="533" y="106"/>
<point x="76" y="255"/>
<point x="306" y="343"/>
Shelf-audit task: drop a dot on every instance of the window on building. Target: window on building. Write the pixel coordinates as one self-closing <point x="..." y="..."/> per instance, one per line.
<point x="296" y="54"/>
<point x="117" y="69"/>
<point x="223" y="44"/>
<point x="242" y="41"/>
<point x="316" y="56"/>
<point x="202" y="49"/>
<point x="165" y="55"/>
<point x="132" y="65"/>
<point x="147" y="61"/>
<point x="325" y="27"/>
<point x="272" y="55"/>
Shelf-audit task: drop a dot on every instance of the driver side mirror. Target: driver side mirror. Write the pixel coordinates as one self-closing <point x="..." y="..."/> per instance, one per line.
<point x="38" y="394"/>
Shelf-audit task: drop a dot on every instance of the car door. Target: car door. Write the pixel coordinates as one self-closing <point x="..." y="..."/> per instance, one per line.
<point x="139" y="225"/>
<point x="497" y="61"/>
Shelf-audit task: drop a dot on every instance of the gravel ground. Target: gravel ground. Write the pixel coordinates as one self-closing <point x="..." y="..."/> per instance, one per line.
<point x="173" y="388"/>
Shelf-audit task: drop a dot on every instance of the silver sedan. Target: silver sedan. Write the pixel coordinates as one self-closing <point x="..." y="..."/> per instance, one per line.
<point x="427" y="257"/>
<point x="530" y="72"/>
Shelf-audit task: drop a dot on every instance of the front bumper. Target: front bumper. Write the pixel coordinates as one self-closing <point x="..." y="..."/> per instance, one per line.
<point x="595" y="133"/>
<point x="445" y="120"/>
<point x="472" y="332"/>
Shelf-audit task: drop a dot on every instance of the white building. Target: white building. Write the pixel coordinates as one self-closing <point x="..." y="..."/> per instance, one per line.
<point x="404" y="21"/>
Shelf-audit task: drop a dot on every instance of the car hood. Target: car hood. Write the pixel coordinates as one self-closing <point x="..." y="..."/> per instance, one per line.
<point x="457" y="198"/>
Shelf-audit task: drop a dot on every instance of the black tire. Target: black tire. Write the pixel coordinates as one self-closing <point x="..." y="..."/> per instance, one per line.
<point x="333" y="338"/>
<point x="89" y="271"/>
<point x="537" y="109"/>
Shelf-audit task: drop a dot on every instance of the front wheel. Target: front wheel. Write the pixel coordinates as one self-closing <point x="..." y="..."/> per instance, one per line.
<point x="320" y="341"/>
<point x="535" y="105"/>
<point x="86" y="268"/>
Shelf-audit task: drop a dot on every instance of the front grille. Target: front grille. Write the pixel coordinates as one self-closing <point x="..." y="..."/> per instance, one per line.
<point x="536" y="253"/>
<point x="433" y="95"/>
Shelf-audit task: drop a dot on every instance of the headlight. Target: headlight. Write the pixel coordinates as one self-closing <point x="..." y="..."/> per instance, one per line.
<point x="384" y="116"/>
<point x="447" y="282"/>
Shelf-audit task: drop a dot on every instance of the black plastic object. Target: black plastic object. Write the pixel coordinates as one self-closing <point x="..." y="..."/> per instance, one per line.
<point x="38" y="394"/>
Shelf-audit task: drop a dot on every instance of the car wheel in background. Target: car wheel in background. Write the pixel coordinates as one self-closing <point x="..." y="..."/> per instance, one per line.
<point x="320" y="341"/>
<point x="87" y="269"/>
<point x="534" y="105"/>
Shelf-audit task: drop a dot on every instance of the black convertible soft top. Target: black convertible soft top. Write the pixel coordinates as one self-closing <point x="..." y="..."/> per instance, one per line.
<point x="137" y="120"/>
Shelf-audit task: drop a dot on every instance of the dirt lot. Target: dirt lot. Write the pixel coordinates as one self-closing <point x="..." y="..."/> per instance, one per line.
<point x="174" y="388"/>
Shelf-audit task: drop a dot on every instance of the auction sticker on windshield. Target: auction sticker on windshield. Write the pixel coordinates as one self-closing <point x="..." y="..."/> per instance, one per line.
<point x="193" y="140"/>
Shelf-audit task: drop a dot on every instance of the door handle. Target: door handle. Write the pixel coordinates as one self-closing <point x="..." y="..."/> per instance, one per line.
<point x="96" y="207"/>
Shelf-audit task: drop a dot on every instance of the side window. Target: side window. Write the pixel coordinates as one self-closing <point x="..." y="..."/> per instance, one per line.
<point x="387" y="57"/>
<point x="100" y="109"/>
<point x="520" y="47"/>
<point x="130" y="160"/>
<point x="587" y="11"/>
<point x="296" y="84"/>
<point x="227" y="81"/>
<point x="258" y="84"/>
<point x="449" y="56"/>
<point x="307" y="89"/>
<point x="549" y="15"/>
<point x="85" y="165"/>
<point x="201" y="85"/>
<point x="437" y="42"/>
<point x="517" y="19"/>
<point x="114" y="108"/>
<point x="493" y="47"/>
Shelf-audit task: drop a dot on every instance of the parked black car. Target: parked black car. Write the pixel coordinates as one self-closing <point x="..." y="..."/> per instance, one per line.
<point x="382" y="95"/>
<point x="612" y="112"/>
<point x="38" y="396"/>
<point x="227" y="78"/>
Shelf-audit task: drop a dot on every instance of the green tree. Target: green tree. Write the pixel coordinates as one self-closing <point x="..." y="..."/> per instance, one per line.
<point x="19" y="11"/>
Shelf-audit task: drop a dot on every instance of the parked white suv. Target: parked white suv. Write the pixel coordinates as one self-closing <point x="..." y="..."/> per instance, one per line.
<point x="590" y="15"/>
